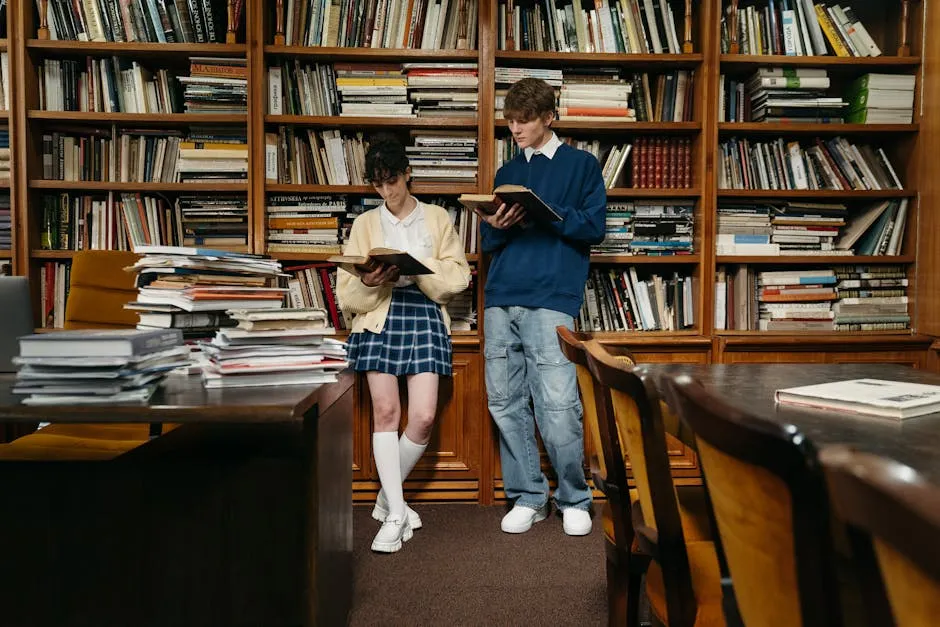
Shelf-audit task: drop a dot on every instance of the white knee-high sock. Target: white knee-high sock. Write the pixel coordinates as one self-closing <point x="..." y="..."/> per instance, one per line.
<point x="410" y="453"/>
<point x="388" y="463"/>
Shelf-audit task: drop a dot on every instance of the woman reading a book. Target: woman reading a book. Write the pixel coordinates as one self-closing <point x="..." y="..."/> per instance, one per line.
<point x="400" y="325"/>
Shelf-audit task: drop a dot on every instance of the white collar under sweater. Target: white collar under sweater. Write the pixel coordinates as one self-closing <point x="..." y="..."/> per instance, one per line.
<point x="548" y="149"/>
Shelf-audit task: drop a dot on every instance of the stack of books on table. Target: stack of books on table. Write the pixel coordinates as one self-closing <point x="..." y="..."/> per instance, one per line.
<point x="191" y="288"/>
<point x="274" y="347"/>
<point x="83" y="367"/>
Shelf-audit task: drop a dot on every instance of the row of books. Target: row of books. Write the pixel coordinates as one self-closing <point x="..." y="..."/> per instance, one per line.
<point x="799" y="28"/>
<point x="840" y="298"/>
<point x="625" y="26"/>
<point x="424" y="24"/>
<point x="832" y="164"/>
<point x="617" y="299"/>
<point x="650" y="162"/>
<point x="167" y="21"/>
<point x="6" y="222"/>
<point x="803" y="95"/>
<point x="646" y="227"/>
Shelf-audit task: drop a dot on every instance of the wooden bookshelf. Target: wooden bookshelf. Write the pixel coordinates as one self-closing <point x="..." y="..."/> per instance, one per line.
<point x="464" y="465"/>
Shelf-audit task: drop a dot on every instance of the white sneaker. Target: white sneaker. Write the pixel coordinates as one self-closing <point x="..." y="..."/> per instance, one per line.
<point x="521" y="518"/>
<point x="390" y="537"/>
<point x="380" y="512"/>
<point x="577" y="522"/>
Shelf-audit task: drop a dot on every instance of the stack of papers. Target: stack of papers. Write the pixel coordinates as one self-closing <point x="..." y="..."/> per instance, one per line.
<point x="96" y="367"/>
<point x="274" y="347"/>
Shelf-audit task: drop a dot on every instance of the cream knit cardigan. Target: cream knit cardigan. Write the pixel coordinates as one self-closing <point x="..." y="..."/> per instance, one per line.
<point x="369" y="305"/>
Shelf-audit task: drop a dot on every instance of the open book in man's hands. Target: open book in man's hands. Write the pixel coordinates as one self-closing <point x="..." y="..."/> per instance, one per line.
<point x="487" y="204"/>
<point x="407" y="265"/>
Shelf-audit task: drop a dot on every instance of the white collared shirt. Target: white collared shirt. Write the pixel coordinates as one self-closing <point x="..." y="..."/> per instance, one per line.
<point x="548" y="149"/>
<point x="409" y="234"/>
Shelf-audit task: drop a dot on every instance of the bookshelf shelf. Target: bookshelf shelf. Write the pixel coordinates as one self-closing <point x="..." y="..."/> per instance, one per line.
<point x="416" y="188"/>
<point x="630" y="260"/>
<point x="765" y="128"/>
<point x="6" y="253"/>
<point x="827" y="194"/>
<point x="369" y="122"/>
<point x="138" y="187"/>
<point x="636" y="192"/>
<point x="674" y="61"/>
<point x="371" y="54"/>
<point x="52" y="254"/>
<point x="814" y="259"/>
<point x="5" y="184"/>
<point x="632" y="127"/>
<point x="315" y="257"/>
<point x="136" y="49"/>
<point x="853" y="64"/>
<point x="687" y="337"/>
<point x="4" y="44"/>
<point x="148" y="119"/>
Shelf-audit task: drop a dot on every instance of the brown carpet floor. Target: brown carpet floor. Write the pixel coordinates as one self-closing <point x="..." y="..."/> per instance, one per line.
<point x="460" y="569"/>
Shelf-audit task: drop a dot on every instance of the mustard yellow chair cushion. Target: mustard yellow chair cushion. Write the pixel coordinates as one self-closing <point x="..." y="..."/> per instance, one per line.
<point x="99" y="287"/>
<point x="40" y="446"/>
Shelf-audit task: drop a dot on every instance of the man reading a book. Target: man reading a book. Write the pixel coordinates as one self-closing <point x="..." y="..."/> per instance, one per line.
<point x="534" y="284"/>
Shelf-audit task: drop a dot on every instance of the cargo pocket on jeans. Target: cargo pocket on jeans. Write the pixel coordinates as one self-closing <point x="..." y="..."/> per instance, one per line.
<point x="557" y="380"/>
<point x="496" y="371"/>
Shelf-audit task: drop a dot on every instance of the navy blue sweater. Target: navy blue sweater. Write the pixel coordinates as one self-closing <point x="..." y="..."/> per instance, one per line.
<point x="546" y="266"/>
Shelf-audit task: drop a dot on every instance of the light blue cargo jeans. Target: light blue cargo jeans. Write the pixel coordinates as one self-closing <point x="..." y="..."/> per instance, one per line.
<point x="523" y="361"/>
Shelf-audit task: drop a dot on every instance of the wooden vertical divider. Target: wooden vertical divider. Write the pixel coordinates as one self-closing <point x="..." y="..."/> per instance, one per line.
<point x="687" y="47"/>
<point x="43" y="32"/>
<point x="257" y="105"/>
<point x="279" y="24"/>
<point x="904" y="45"/>
<point x="230" y="22"/>
<point x="734" y="47"/>
<point x="25" y="79"/>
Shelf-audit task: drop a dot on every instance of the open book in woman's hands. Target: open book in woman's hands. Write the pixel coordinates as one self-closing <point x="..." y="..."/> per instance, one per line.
<point x="487" y="204"/>
<point x="406" y="264"/>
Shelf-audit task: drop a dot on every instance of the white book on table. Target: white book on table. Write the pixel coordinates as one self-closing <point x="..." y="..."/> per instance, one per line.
<point x="876" y="397"/>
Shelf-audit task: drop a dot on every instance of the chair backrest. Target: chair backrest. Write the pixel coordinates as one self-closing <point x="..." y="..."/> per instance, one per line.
<point x="17" y="318"/>
<point x="635" y="409"/>
<point x="769" y="501"/>
<point x="99" y="287"/>
<point x="892" y="516"/>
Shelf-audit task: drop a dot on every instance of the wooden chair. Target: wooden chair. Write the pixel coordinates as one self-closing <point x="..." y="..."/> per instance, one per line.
<point x="626" y="564"/>
<point x="99" y="287"/>
<point x="682" y="582"/>
<point x="769" y="500"/>
<point x="892" y="519"/>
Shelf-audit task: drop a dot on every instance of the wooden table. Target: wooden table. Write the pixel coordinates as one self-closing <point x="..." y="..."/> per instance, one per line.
<point x="751" y="387"/>
<point x="240" y="516"/>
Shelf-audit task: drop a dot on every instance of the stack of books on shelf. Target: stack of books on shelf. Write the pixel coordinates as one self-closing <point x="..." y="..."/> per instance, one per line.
<point x="92" y="367"/>
<point x="781" y="95"/>
<point x="304" y="223"/>
<point x="173" y="281"/>
<point x="443" y="156"/>
<point x="443" y="89"/>
<point x="881" y="99"/>
<point x="744" y="229"/>
<point x="216" y="85"/>
<point x="833" y="164"/>
<point x="618" y="229"/>
<point x="840" y="298"/>
<point x="6" y="225"/>
<point x="504" y="77"/>
<point x="871" y="298"/>
<point x="627" y="26"/>
<point x="372" y="90"/>
<point x="385" y="24"/>
<point x="662" y="227"/>
<point x="273" y="347"/>
<point x="462" y="308"/>
<point x="800" y="28"/>
<point x="214" y="221"/>
<point x="595" y="95"/>
<point x="216" y="155"/>
<point x="617" y="300"/>
<point x="113" y="85"/>
<point x="170" y="21"/>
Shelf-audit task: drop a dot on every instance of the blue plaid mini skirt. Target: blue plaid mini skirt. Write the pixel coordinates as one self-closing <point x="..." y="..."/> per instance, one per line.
<point x="413" y="340"/>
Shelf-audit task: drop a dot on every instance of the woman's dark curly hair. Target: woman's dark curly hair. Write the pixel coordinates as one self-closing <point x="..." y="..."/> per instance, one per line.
<point x="386" y="158"/>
